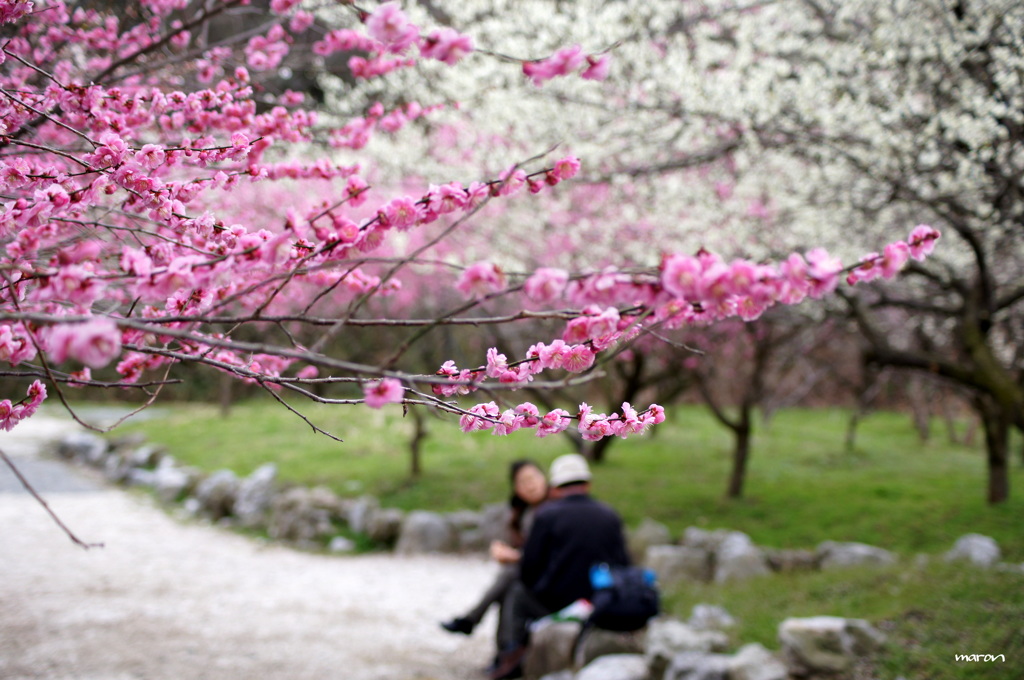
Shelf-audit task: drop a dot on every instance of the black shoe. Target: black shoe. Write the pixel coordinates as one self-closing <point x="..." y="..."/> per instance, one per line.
<point x="458" y="625"/>
<point x="510" y="665"/>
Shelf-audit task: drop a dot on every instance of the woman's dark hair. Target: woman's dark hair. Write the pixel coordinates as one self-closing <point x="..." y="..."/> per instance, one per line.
<point x="518" y="505"/>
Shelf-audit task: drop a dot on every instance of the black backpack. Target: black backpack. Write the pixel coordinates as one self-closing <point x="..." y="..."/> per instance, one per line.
<point x="625" y="598"/>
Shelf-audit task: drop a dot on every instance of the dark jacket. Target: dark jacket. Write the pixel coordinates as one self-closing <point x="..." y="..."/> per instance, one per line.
<point x="570" y="535"/>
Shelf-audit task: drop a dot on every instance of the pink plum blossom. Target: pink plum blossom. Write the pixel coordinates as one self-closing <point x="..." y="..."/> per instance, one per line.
<point x="377" y="393"/>
<point x="546" y="284"/>
<point x="553" y="422"/>
<point x="389" y="25"/>
<point x="922" y="241"/>
<point x="481" y="279"/>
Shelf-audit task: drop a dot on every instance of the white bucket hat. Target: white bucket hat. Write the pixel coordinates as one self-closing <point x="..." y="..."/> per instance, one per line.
<point x="568" y="469"/>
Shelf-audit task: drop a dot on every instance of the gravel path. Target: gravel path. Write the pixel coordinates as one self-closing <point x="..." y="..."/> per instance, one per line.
<point x="168" y="599"/>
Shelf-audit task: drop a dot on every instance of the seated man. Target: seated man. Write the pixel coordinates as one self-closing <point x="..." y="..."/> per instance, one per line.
<point x="571" y="533"/>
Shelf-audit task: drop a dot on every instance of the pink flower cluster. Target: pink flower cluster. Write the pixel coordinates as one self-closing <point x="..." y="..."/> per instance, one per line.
<point x="592" y="426"/>
<point x="15" y="344"/>
<point x="265" y="52"/>
<point x="12" y="10"/>
<point x="356" y="133"/>
<point x="895" y="256"/>
<point x="94" y="343"/>
<point x="390" y="32"/>
<point x="566" y="61"/>
<point x="11" y="414"/>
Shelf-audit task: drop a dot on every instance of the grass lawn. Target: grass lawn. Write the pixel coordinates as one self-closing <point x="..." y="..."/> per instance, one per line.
<point x="802" y="488"/>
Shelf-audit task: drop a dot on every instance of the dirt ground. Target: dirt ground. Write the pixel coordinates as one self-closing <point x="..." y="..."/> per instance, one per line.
<point x="168" y="599"/>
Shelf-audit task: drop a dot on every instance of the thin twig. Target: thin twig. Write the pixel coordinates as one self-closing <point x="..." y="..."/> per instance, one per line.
<point x="28" y="487"/>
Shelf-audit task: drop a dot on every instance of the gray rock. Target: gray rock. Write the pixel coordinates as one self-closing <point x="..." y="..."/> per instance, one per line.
<point x="494" y="523"/>
<point x="140" y="477"/>
<point x="648" y="533"/>
<point x="667" y="638"/>
<point x="695" y="537"/>
<point x="85" y="447"/>
<point x="791" y="560"/>
<point x="560" y="675"/>
<point x="826" y="644"/>
<point x="360" y="513"/>
<point x="425" y="532"/>
<point x="977" y="549"/>
<point x="615" y="667"/>
<point x="466" y="524"/>
<point x="217" y="494"/>
<point x="833" y="555"/>
<point x="340" y="544"/>
<point x="550" y="649"/>
<point x="255" y="494"/>
<point x="116" y="468"/>
<point x="738" y="558"/>
<point x="146" y="456"/>
<point x="385" y="524"/>
<point x="698" y="666"/>
<point x="597" y="643"/>
<point x="464" y="519"/>
<point x="171" y="482"/>
<point x="754" y="662"/>
<point x="710" y="617"/>
<point x="303" y="516"/>
<point x="679" y="563"/>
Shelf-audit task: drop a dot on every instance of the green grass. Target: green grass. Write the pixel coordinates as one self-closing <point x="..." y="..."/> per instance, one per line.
<point x="802" y="488"/>
<point x="929" y="612"/>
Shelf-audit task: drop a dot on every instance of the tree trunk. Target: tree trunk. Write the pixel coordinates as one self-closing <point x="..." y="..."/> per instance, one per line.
<point x="997" y="443"/>
<point x="740" y="455"/>
<point x="225" y="395"/>
<point x="419" y="433"/>
<point x="921" y="409"/>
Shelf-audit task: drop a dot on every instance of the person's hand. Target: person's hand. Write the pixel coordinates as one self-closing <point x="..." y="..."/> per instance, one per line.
<point x="504" y="553"/>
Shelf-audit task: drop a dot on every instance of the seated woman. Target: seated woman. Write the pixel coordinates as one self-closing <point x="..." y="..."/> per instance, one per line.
<point x="529" y="489"/>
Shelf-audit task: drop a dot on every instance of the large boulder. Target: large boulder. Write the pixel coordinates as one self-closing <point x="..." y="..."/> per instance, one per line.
<point x="738" y="558"/>
<point x="217" y="493"/>
<point x="425" y="532"/>
<point x="977" y="549"/>
<point x="754" y="662"/>
<point x="835" y="555"/>
<point x="675" y="564"/>
<point x="615" y="667"/>
<point x="824" y="645"/>
<point x="550" y="649"/>
<point x="647" y="533"/>
<point x="668" y="637"/>
<point x="255" y="494"/>
<point x="559" y="646"/>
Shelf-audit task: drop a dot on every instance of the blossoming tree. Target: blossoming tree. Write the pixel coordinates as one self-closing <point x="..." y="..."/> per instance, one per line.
<point x="131" y="159"/>
<point x="794" y="123"/>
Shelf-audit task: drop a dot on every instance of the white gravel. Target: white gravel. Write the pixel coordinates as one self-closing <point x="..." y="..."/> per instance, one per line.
<point x="176" y="600"/>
